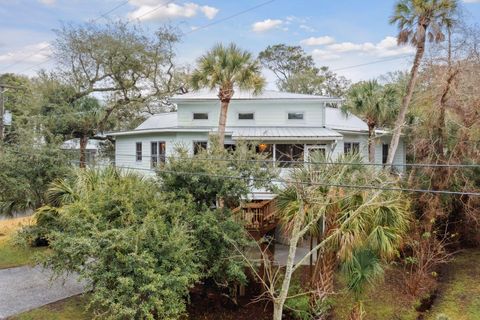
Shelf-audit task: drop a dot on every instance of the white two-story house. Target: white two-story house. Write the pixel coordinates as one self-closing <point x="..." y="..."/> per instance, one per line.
<point x="289" y="126"/>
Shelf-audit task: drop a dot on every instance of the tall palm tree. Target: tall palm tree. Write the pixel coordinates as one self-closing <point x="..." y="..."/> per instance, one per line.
<point x="375" y="103"/>
<point x="226" y="68"/>
<point x="418" y="20"/>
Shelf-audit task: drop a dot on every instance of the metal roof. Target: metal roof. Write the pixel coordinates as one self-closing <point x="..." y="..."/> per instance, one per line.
<point x="206" y="94"/>
<point x="283" y="133"/>
<point x="337" y="119"/>
<point x="160" y="120"/>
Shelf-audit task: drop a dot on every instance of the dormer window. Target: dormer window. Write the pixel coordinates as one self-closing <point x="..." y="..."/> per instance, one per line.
<point x="295" y="116"/>
<point x="246" y="116"/>
<point x="200" y="116"/>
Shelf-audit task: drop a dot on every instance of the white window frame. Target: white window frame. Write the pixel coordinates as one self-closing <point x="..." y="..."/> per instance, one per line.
<point x="302" y="112"/>
<point x="204" y="112"/>
<point x="245" y="112"/>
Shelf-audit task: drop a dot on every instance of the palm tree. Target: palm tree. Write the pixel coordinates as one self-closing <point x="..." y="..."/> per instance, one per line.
<point x="380" y="226"/>
<point x="226" y="68"/>
<point x="362" y="269"/>
<point x="417" y="20"/>
<point x="375" y="104"/>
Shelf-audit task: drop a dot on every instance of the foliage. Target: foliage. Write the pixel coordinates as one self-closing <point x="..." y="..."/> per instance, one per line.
<point x="131" y="243"/>
<point x="296" y="72"/>
<point x="27" y="169"/>
<point x="207" y="175"/>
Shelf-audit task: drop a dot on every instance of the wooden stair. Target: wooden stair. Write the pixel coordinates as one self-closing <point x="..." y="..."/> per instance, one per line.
<point x="258" y="217"/>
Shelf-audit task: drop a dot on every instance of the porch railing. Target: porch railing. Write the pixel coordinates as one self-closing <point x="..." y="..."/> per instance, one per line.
<point x="258" y="216"/>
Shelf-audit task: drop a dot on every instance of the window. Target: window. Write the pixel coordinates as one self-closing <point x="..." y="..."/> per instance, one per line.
<point x="385" y="147"/>
<point x="295" y="116"/>
<point x="199" y="145"/>
<point x="265" y="149"/>
<point x="200" y="116"/>
<point x="246" y="116"/>
<point x="138" y="151"/>
<point x="351" y="147"/>
<point x="157" y="152"/>
<point x="230" y="147"/>
<point x="288" y="154"/>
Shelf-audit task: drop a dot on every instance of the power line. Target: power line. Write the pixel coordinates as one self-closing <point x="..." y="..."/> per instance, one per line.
<point x="103" y="15"/>
<point x="420" y="165"/>
<point x="372" y="62"/>
<point x="289" y="181"/>
<point x="229" y="17"/>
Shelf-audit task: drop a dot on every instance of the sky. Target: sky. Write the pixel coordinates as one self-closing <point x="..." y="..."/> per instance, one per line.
<point x="351" y="37"/>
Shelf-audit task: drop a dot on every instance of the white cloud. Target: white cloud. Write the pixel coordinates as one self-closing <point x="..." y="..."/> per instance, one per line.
<point x="209" y="12"/>
<point x="317" y="41"/>
<point x="471" y="1"/>
<point x="33" y="53"/>
<point x="306" y="28"/>
<point x="265" y="25"/>
<point x="149" y="10"/>
<point x="48" y="2"/>
<point x="321" y="55"/>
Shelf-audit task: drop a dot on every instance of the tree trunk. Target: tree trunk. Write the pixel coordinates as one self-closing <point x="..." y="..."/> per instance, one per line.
<point x="357" y="312"/>
<point x="279" y="301"/>
<point x="371" y="142"/>
<point x="397" y="131"/>
<point x="222" y="121"/>
<point x="323" y="277"/>
<point x="83" y="151"/>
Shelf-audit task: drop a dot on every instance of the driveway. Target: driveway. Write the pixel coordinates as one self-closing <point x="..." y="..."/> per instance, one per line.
<point x="26" y="288"/>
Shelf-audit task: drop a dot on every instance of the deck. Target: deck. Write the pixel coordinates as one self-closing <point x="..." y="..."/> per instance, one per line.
<point x="259" y="217"/>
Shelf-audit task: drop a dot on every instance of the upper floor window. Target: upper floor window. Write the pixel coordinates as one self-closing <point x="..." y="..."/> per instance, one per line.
<point x="295" y="116"/>
<point x="246" y="116"/>
<point x="351" y="147"/>
<point x="200" y="116"/>
<point x="138" y="151"/>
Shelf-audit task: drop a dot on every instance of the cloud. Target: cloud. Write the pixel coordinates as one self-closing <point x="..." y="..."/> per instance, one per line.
<point x="265" y="25"/>
<point x="471" y="1"/>
<point x="306" y="28"/>
<point x="33" y="53"/>
<point x="149" y="10"/>
<point x="317" y="41"/>
<point x="47" y="2"/>
<point x="330" y="49"/>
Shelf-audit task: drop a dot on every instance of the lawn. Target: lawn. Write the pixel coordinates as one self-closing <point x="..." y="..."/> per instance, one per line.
<point x="11" y="255"/>
<point x="459" y="294"/>
<point x="72" y="309"/>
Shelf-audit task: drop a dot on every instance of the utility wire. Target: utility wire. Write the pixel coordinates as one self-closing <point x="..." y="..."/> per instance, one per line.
<point x="289" y="181"/>
<point x="103" y="15"/>
<point x="421" y="165"/>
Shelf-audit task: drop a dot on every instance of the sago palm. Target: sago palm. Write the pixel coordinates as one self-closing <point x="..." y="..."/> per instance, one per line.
<point x="417" y="21"/>
<point x="225" y="68"/>
<point x="375" y="104"/>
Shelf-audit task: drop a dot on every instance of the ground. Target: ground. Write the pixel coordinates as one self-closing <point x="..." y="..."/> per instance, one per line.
<point x="459" y="293"/>
<point x="72" y="308"/>
<point x="11" y="255"/>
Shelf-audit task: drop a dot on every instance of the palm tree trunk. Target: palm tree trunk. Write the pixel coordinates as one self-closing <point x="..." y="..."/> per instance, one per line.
<point x="83" y="150"/>
<point x="222" y="121"/>
<point x="323" y="277"/>
<point x="371" y="143"/>
<point x="397" y="131"/>
<point x="357" y="312"/>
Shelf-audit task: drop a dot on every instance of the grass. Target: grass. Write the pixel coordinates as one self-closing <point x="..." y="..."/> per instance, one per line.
<point x="459" y="294"/>
<point x="72" y="309"/>
<point x="11" y="255"/>
<point x="384" y="300"/>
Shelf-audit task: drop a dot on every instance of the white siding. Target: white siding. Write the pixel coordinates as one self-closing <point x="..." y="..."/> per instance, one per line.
<point x="266" y="114"/>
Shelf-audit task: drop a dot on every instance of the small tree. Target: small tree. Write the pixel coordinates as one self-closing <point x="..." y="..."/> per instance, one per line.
<point x="376" y="104"/>
<point x="225" y="68"/>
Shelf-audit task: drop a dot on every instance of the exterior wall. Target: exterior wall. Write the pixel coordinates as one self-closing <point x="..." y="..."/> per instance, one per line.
<point x="349" y="137"/>
<point x="400" y="156"/>
<point x="125" y="147"/>
<point x="265" y="113"/>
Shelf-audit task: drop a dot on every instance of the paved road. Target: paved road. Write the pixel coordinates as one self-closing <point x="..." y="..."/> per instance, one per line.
<point x="26" y="288"/>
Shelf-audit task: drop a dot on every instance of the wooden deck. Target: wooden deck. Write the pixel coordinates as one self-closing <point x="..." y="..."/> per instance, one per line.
<point x="259" y="217"/>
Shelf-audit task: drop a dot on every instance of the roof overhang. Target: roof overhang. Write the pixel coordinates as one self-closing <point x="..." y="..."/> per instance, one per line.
<point x="283" y="133"/>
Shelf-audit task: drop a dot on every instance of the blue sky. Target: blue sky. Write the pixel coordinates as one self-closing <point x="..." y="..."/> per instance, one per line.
<point x="339" y="34"/>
